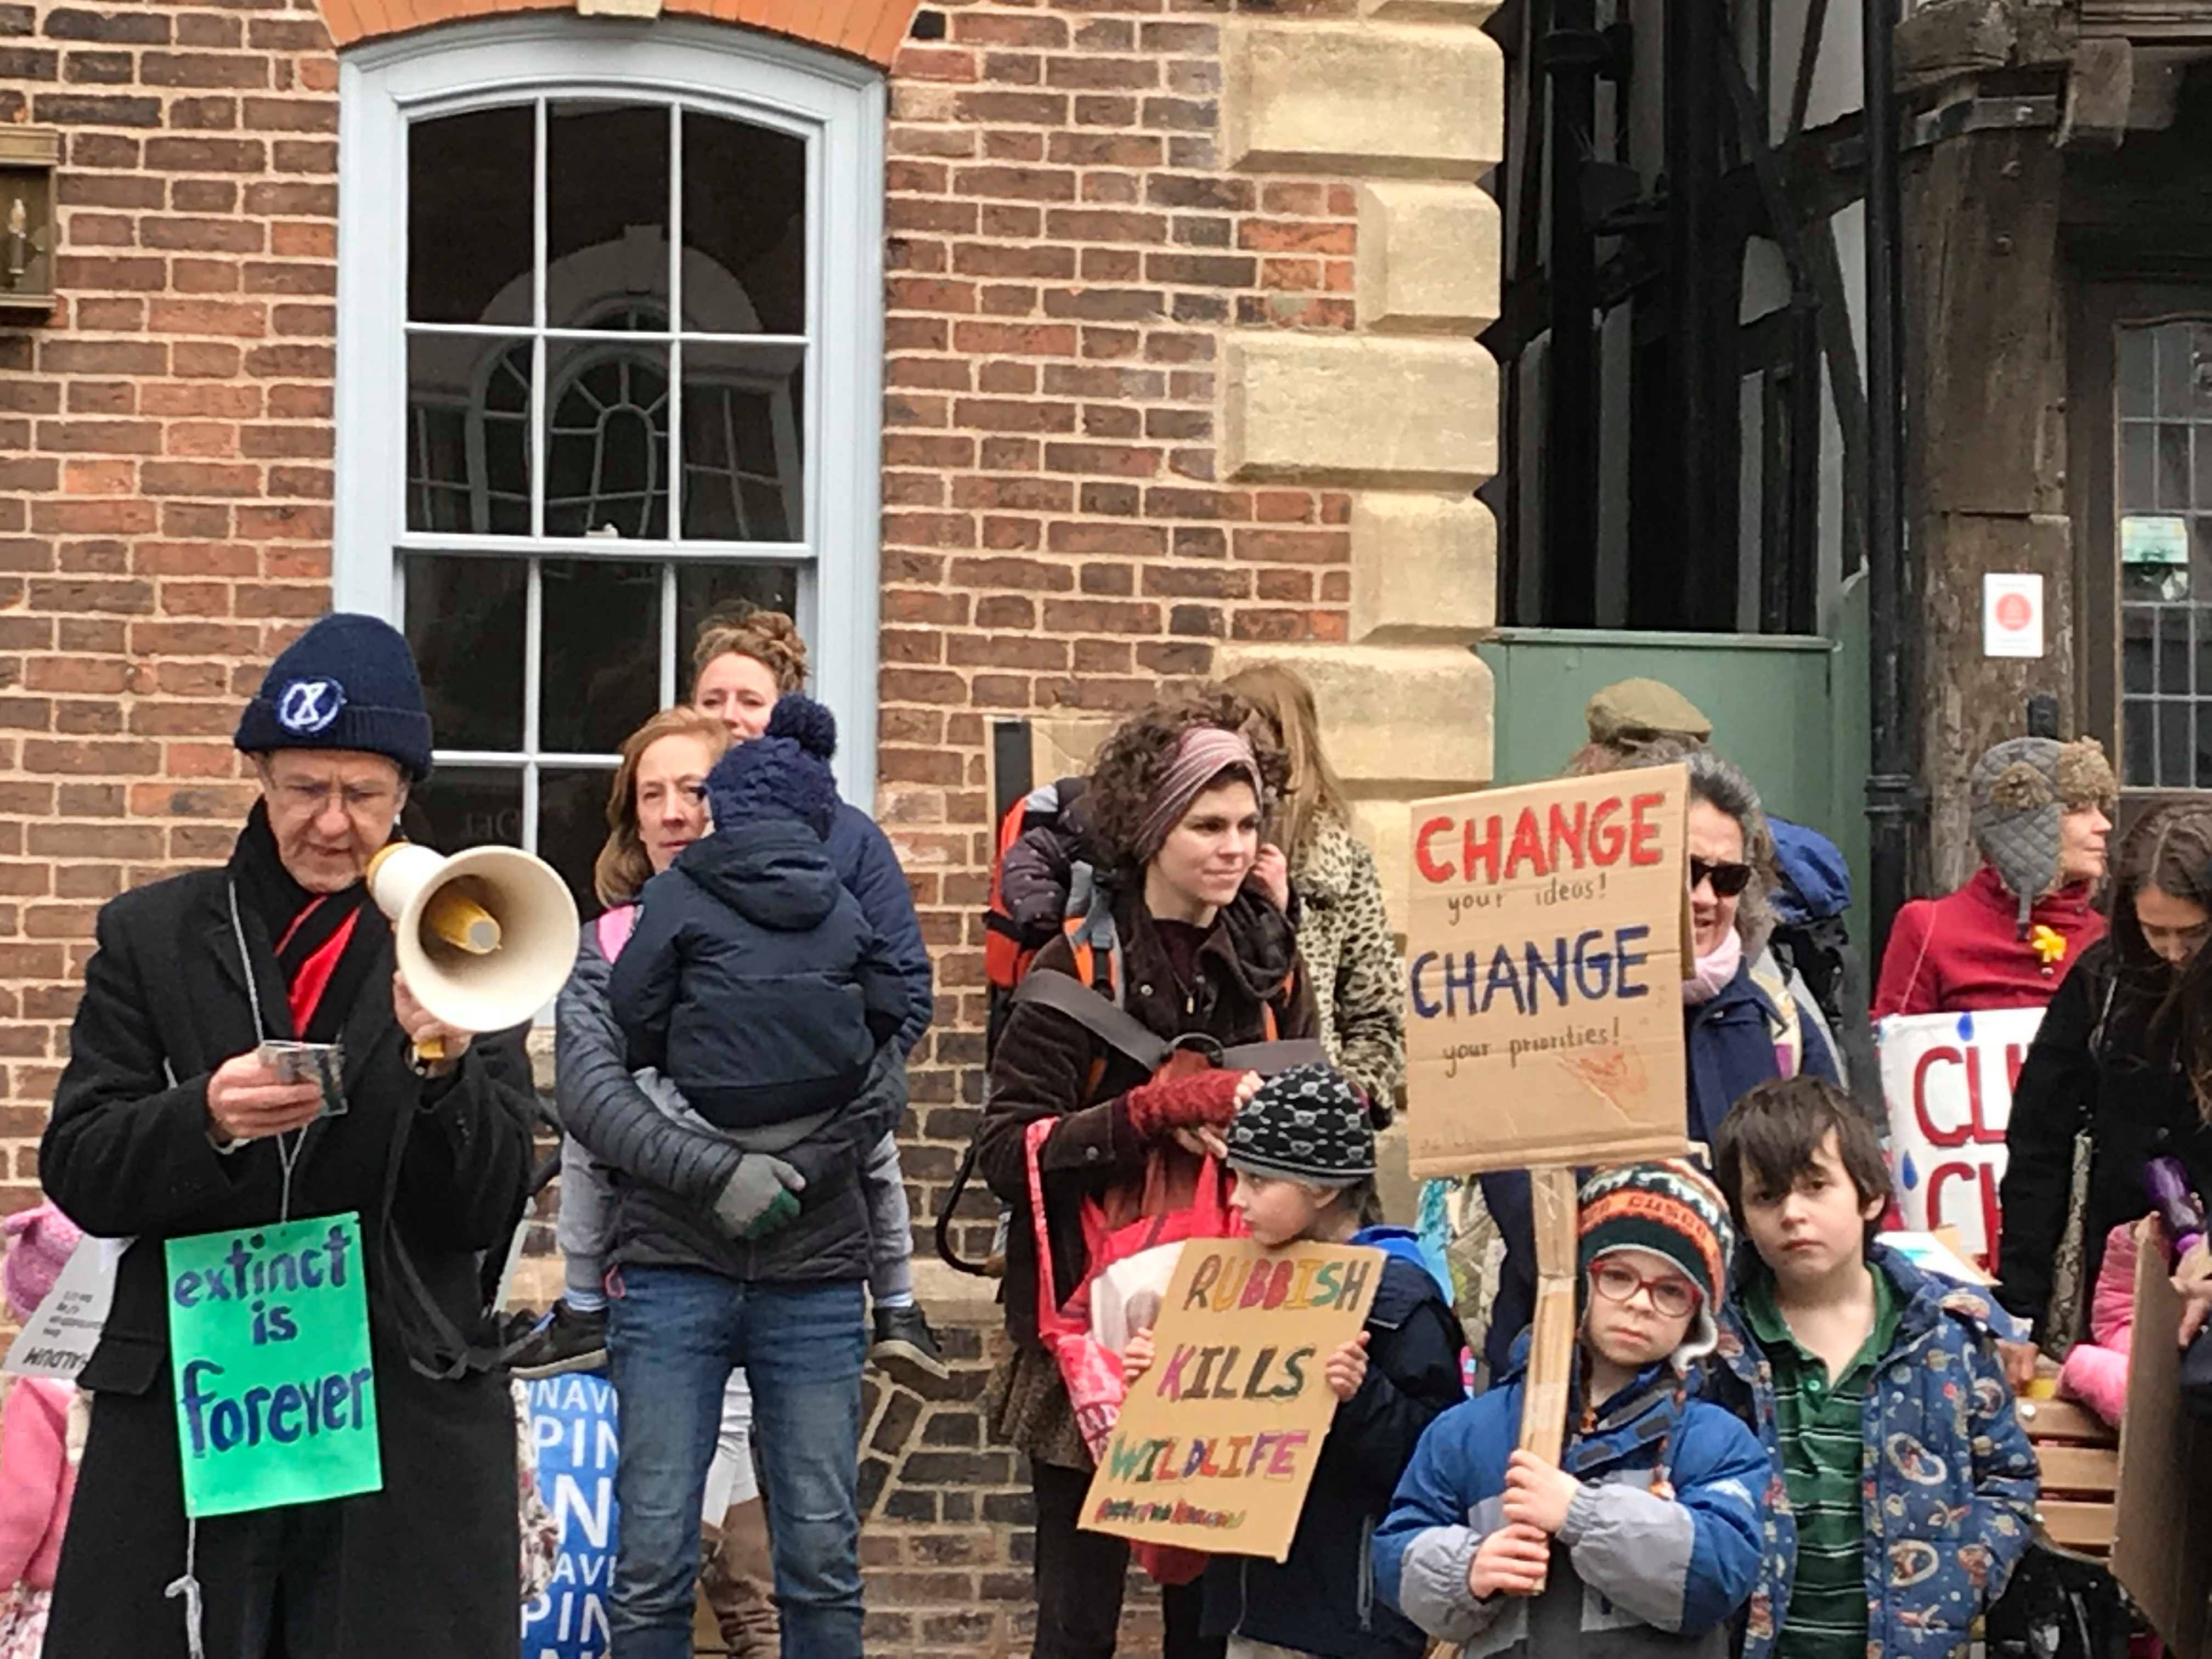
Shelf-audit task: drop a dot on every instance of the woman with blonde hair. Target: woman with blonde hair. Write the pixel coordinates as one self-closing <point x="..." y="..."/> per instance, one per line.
<point x="1344" y="932"/>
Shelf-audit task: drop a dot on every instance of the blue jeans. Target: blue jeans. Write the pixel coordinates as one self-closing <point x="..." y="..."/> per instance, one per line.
<point x="673" y="1335"/>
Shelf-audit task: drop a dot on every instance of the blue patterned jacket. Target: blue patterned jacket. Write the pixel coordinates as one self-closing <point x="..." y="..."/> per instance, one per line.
<point x="1949" y="1479"/>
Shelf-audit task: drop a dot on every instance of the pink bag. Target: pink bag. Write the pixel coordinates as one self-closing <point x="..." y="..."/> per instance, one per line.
<point x="1091" y="1371"/>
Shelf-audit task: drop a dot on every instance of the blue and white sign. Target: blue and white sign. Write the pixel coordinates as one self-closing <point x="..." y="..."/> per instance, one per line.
<point x="574" y="1426"/>
<point x="306" y="706"/>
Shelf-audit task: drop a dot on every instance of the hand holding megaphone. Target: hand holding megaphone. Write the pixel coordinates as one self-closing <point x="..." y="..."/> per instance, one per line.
<point x="484" y="939"/>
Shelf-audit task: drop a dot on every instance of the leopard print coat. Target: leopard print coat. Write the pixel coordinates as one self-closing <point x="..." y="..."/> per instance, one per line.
<point x="1352" y="957"/>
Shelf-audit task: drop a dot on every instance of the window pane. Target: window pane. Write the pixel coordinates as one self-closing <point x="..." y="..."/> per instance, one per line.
<point x="464" y="622"/>
<point x="2173" y="659"/>
<point x="2176" y="744"/>
<point x="2138" y="742"/>
<point x="598" y="676"/>
<point x="744" y="433"/>
<point x="2138" y="393"/>
<point x="745" y="228"/>
<point x="2138" y="649"/>
<point x="2176" y="370"/>
<point x="606" y="209"/>
<point x="2138" y="467"/>
<point x="471" y="217"/>
<point x="468" y="435"/>
<point x="606" y="440"/>
<point x="465" y="806"/>
<point x="2173" y="467"/>
<point x="572" y="826"/>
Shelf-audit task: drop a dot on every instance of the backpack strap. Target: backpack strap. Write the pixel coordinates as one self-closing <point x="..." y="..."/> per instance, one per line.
<point x="1110" y="1024"/>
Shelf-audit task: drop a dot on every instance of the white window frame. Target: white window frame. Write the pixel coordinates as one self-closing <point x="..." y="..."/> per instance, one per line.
<point x="838" y="106"/>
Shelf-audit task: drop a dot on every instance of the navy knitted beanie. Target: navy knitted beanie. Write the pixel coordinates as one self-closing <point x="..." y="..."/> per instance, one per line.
<point x="346" y="683"/>
<point x="783" y="773"/>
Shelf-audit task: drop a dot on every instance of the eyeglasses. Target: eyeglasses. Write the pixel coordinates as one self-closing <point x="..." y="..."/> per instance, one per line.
<point x="1727" y="879"/>
<point x="1671" y="1297"/>
<point x="360" y="801"/>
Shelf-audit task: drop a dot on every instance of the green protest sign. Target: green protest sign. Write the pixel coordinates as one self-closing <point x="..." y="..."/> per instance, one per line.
<point x="268" y="1343"/>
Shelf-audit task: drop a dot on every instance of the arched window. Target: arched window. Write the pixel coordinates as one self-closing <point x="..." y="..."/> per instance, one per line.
<point x="609" y="359"/>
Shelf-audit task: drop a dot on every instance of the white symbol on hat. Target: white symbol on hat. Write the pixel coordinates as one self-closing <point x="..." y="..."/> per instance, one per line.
<point x="306" y="706"/>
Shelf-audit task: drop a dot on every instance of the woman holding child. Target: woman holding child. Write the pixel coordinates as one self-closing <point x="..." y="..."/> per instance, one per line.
<point x="1190" y="947"/>
<point x="742" y="1235"/>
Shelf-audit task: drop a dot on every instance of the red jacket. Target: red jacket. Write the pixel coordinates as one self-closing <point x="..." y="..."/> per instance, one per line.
<point x="1964" y="951"/>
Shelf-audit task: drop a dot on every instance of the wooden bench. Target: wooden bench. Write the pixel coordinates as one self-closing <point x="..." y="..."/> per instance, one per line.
<point x="2081" y="1457"/>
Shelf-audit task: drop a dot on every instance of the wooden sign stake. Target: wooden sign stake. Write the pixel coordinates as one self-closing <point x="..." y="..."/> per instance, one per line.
<point x="1552" y="1338"/>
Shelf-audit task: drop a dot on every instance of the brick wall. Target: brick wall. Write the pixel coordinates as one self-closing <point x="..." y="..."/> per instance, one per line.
<point x="165" y="465"/>
<point x="1067" y="255"/>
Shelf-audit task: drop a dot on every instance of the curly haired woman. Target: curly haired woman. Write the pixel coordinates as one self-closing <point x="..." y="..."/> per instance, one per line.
<point x="1176" y="798"/>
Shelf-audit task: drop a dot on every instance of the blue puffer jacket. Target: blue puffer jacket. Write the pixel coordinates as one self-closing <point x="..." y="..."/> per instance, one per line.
<point x="1731" y="1049"/>
<point x="1951" y="1479"/>
<point x="1640" y="1575"/>
<point x="865" y="862"/>
<point x="753" y="980"/>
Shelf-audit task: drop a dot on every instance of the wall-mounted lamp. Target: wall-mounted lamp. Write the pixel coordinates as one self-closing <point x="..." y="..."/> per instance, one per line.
<point x="29" y="157"/>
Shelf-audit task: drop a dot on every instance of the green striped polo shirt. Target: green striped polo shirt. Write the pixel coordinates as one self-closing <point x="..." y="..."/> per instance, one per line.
<point x="1823" y="1448"/>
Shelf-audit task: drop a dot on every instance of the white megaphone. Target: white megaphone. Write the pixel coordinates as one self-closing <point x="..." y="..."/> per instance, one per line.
<point x="485" y="938"/>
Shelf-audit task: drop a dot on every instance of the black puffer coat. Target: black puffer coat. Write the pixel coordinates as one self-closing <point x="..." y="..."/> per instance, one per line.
<point x="753" y="980"/>
<point x="437" y="1170"/>
<point x="668" y="1173"/>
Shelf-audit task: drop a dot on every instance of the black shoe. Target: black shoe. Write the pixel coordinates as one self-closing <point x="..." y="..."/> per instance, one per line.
<point x="903" y="1337"/>
<point x="564" y="1340"/>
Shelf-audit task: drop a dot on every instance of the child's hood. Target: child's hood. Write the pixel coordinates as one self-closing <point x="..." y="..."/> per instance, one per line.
<point x="1404" y="1244"/>
<point x="1927" y="1301"/>
<point x="774" y="873"/>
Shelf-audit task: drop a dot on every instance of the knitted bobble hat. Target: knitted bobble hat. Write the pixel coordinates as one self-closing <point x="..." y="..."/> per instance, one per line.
<point x="783" y="774"/>
<point x="1308" y="1124"/>
<point x="348" y="683"/>
<point x="1671" y="1209"/>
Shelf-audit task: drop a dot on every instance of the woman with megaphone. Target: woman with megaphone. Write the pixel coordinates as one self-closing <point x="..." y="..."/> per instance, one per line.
<point x="727" y="1046"/>
<point x="247" y="1103"/>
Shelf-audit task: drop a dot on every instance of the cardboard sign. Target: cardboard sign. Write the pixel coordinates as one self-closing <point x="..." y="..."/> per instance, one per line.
<point x="59" y="1338"/>
<point x="1947" y="1080"/>
<point x="2162" y="1520"/>
<point x="276" y="1390"/>
<point x="574" y="1426"/>
<point x="1544" y="965"/>
<point x="1216" y="1445"/>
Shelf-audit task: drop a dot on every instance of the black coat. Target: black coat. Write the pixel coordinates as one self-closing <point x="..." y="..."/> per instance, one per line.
<point x="1322" y="1599"/>
<point x="2099" y="1062"/>
<point x="438" y="1170"/>
<point x="753" y="980"/>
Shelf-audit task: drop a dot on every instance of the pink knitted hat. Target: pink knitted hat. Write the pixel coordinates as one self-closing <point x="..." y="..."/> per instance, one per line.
<point x="38" y="1245"/>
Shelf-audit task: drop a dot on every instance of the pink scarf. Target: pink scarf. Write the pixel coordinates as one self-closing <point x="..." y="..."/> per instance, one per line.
<point x="1713" y="972"/>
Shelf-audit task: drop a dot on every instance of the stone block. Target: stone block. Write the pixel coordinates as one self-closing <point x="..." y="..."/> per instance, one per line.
<point x="1423" y="567"/>
<point x="1413" y="414"/>
<point x="1428" y="258"/>
<point x="1406" y="101"/>
<point x="1468" y="12"/>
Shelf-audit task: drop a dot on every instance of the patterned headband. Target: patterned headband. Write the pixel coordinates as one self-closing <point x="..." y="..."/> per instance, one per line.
<point x="1202" y="754"/>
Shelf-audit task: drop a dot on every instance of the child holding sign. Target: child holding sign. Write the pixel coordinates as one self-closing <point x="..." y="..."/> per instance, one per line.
<point x="1645" y="1538"/>
<point x="1304" y="1151"/>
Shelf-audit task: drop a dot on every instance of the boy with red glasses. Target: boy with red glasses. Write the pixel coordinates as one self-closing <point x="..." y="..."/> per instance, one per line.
<point x="1645" y="1539"/>
<point x="1908" y="1488"/>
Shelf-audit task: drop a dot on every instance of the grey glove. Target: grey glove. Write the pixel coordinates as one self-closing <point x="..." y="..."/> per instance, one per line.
<point x="756" y="1200"/>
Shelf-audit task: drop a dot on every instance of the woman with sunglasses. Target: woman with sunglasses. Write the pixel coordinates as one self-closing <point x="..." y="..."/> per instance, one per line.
<point x="2125" y="1056"/>
<point x="1740" y="1028"/>
<point x="2041" y="810"/>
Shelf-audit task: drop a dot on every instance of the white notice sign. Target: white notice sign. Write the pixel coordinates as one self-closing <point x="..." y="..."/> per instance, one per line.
<point x="2012" y="615"/>
<point x="62" y="1334"/>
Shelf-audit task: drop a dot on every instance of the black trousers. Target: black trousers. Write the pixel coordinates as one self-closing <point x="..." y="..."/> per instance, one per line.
<point x="1080" y="1577"/>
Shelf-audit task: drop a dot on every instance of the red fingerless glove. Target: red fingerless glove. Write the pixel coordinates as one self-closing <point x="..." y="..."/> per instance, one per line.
<point x="1208" y="1098"/>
